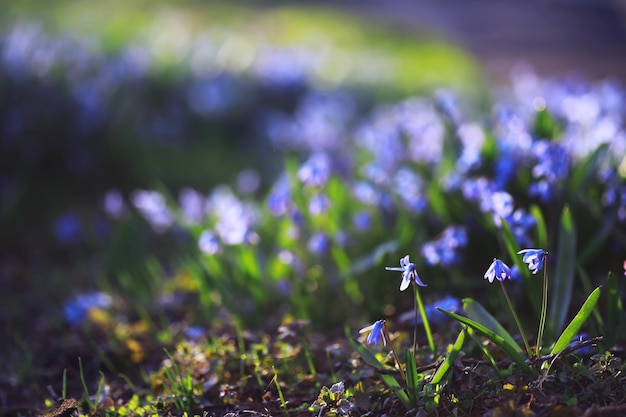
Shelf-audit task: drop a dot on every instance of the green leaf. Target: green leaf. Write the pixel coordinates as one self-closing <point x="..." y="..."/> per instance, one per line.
<point x="475" y="311"/>
<point x="371" y="360"/>
<point x="412" y="379"/>
<point x="585" y="171"/>
<point x="541" y="230"/>
<point x="449" y="360"/>
<point x="511" y="350"/>
<point x="579" y="319"/>
<point x="615" y="311"/>
<point x="563" y="278"/>
<point x="372" y="259"/>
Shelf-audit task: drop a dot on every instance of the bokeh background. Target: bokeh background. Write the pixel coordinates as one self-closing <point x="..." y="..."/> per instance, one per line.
<point x="196" y="161"/>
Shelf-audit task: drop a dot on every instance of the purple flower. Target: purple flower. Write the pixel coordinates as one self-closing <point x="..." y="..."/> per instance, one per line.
<point x="534" y="258"/>
<point x="408" y="273"/>
<point x="498" y="270"/>
<point x="376" y="333"/>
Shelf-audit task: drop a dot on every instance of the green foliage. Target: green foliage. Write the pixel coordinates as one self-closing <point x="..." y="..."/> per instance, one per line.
<point x="512" y="350"/>
<point x="563" y="278"/>
<point x="577" y="322"/>
<point x="447" y="363"/>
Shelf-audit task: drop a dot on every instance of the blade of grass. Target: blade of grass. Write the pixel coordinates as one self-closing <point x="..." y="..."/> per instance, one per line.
<point x="90" y="405"/>
<point x="579" y="319"/>
<point x="412" y="379"/>
<point x="425" y="322"/>
<point x="449" y="360"/>
<point x="511" y="350"/>
<point x="541" y="230"/>
<point x="563" y="281"/>
<point x="475" y="311"/>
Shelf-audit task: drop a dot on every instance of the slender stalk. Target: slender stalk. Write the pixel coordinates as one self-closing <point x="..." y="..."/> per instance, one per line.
<point x="393" y="351"/>
<point x="517" y="321"/>
<point x="415" y="296"/>
<point x="544" y="306"/>
<point x="419" y="305"/>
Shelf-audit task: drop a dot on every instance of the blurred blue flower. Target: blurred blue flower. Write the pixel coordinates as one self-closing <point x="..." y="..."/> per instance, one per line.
<point x="153" y="207"/>
<point x="521" y="223"/>
<point x="516" y="276"/>
<point x="67" y="228"/>
<point x="542" y="190"/>
<point x="362" y="221"/>
<point x="319" y="204"/>
<point x="316" y="171"/>
<point x="76" y="310"/>
<point x="444" y="251"/>
<point x="448" y="303"/>
<point x="209" y="243"/>
<point x="318" y="243"/>
<point x="191" y="205"/>
<point x="534" y="258"/>
<point x="408" y="273"/>
<point x="498" y="270"/>
<point x="579" y="338"/>
<point x="376" y="333"/>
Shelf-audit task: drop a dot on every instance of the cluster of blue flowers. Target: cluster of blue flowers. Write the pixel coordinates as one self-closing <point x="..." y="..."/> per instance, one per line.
<point x="355" y="179"/>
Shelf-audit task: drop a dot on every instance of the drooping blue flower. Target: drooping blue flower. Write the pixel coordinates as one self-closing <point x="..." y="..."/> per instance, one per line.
<point x="534" y="258"/>
<point x="376" y="333"/>
<point x="498" y="270"/>
<point x="408" y="273"/>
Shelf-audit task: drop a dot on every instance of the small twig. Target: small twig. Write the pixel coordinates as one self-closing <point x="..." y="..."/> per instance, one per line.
<point x="566" y="351"/>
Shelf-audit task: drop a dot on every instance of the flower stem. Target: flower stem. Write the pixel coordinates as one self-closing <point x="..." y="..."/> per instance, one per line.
<point x="544" y="306"/>
<point x="419" y="305"/>
<point x="393" y="351"/>
<point x="519" y="324"/>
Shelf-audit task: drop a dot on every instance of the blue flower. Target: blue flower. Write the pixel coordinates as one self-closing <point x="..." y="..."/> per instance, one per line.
<point x="77" y="309"/>
<point x="498" y="270"/>
<point x="376" y="333"/>
<point x="534" y="258"/>
<point x="408" y="273"/>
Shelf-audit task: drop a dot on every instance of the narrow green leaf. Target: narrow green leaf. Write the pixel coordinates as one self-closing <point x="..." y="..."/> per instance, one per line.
<point x="541" y="230"/>
<point x="585" y="171"/>
<point x="579" y="319"/>
<point x="412" y="379"/>
<point x="449" y="360"/>
<point x="563" y="279"/>
<point x="475" y="311"/>
<point x="373" y="258"/>
<point x="615" y="311"/>
<point x="511" y="350"/>
<point x="341" y="259"/>
<point x="389" y="380"/>
<point x="437" y="202"/>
